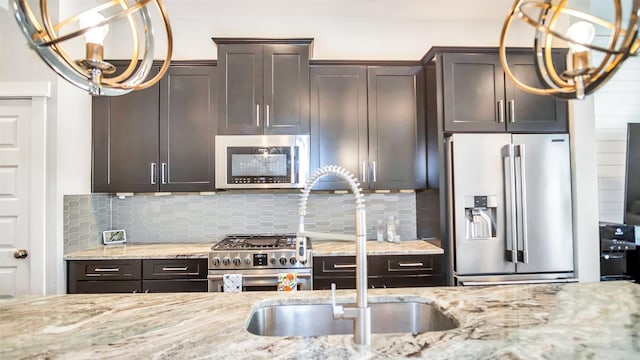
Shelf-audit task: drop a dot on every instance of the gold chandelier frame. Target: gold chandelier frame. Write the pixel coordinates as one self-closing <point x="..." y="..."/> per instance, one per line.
<point x="43" y="36"/>
<point x="570" y="85"/>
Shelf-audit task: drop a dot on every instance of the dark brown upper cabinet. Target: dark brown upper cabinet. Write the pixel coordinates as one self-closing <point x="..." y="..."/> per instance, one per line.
<point x="369" y="120"/>
<point x="160" y="138"/>
<point x="264" y="86"/>
<point x="478" y="96"/>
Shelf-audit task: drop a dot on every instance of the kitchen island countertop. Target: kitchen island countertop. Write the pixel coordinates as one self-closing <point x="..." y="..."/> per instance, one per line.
<point x="543" y="321"/>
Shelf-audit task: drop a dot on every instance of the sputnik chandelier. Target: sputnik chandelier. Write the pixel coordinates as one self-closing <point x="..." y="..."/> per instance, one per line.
<point x="47" y="40"/>
<point x="589" y="65"/>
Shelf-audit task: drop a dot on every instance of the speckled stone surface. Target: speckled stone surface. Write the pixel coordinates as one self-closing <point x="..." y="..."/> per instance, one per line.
<point x="142" y="251"/>
<point x="182" y="251"/>
<point x="407" y="247"/>
<point x="550" y="321"/>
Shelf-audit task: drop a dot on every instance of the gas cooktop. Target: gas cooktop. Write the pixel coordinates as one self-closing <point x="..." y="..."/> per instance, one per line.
<point x="257" y="242"/>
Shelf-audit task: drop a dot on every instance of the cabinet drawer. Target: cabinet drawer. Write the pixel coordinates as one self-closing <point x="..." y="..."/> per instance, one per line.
<point x="335" y="266"/>
<point x="126" y="269"/>
<point x="159" y="286"/>
<point x="106" y="286"/>
<point x="400" y="265"/>
<point x="174" y="269"/>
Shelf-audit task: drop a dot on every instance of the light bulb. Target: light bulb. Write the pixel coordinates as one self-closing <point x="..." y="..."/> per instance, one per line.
<point x="582" y="32"/>
<point x="95" y="35"/>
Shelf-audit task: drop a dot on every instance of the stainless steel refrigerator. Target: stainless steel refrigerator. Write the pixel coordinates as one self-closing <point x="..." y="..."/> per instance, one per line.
<point x="510" y="217"/>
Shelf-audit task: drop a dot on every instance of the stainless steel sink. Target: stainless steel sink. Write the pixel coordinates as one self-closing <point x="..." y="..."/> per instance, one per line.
<point x="317" y="319"/>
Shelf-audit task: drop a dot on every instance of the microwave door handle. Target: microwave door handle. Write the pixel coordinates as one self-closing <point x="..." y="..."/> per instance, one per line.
<point x="258" y="115"/>
<point x="293" y="165"/>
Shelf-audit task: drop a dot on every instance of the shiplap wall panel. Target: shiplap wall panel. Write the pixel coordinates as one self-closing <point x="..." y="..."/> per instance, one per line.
<point x="615" y="105"/>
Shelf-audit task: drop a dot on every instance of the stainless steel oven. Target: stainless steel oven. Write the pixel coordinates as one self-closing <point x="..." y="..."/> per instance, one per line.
<point x="259" y="280"/>
<point x="261" y="161"/>
<point x="259" y="258"/>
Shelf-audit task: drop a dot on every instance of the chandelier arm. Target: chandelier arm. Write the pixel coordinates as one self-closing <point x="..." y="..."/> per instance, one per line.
<point x="544" y="58"/>
<point x="167" y="60"/>
<point x="527" y="19"/>
<point x="112" y="18"/>
<point x="114" y="81"/>
<point x="142" y="71"/>
<point x="51" y="34"/>
<point x="503" y="58"/>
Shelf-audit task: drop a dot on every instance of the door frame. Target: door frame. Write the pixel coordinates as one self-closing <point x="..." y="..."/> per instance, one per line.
<point x="38" y="93"/>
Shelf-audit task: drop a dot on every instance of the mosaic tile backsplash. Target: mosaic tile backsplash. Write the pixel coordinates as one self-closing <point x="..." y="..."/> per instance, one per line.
<point x="208" y="218"/>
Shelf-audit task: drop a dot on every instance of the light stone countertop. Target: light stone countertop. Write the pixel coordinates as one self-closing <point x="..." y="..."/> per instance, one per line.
<point x="201" y="250"/>
<point x="143" y="251"/>
<point x="406" y="247"/>
<point x="543" y="321"/>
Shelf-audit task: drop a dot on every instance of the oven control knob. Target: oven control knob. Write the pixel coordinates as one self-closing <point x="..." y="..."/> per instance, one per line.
<point x="247" y="260"/>
<point x="293" y="260"/>
<point x="272" y="261"/>
<point x="226" y="261"/>
<point x="237" y="261"/>
<point x="216" y="261"/>
<point x="283" y="260"/>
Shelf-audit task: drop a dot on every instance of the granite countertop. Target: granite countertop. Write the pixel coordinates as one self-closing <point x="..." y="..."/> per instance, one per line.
<point x="406" y="247"/>
<point x="143" y="251"/>
<point x="543" y="321"/>
<point x="201" y="250"/>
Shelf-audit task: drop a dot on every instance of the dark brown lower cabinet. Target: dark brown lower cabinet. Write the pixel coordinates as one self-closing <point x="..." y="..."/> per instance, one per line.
<point x="136" y="275"/>
<point x="383" y="271"/>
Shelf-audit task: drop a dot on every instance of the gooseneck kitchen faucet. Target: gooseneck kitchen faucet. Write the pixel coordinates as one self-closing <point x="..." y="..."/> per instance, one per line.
<point x="361" y="314"/>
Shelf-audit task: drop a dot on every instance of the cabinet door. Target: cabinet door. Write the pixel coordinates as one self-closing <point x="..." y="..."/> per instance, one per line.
<point x="241" y="89"/>
<point x="528" y="112"/>
<point x="286" y="89"/>
<point x="473" y="93"/>
<point x="125" y="141"/>
<point x="397" y="150"/>
<point x="187" y="129"/>
<point x="339" y="121"/>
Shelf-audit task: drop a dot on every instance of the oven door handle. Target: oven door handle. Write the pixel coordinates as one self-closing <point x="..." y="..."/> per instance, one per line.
<point x="263" y="276"/>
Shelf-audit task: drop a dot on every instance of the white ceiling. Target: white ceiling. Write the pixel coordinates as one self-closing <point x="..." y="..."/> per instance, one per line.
<point x="437" y="10"/>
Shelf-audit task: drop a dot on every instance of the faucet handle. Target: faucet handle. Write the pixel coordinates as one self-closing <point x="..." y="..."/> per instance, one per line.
<point x="338" y="310"/>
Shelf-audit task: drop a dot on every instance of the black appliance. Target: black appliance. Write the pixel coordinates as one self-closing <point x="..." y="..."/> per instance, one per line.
<point x="618" y="252"/>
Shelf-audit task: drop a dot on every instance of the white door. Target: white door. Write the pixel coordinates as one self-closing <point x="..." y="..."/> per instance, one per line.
<point x="15" y="130"/>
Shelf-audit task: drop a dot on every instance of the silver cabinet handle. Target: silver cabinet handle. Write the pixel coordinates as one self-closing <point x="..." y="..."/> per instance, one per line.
<point x="364" y="171"/>
<point x="415" y="264"/>
<point x="512" y="111"/>
<point x="174" y="268"/>
<point x="257" y="114"/>
<point x="344" y="266"/>
<point x="523" y="200"/>
<point x="267" y="115"/>
<point x="500" y="111"/>
<point x="107" y="269"/>
<point x="373" y="164"/>
<point x="164" y="173"/>
<point x="153" y="173"/>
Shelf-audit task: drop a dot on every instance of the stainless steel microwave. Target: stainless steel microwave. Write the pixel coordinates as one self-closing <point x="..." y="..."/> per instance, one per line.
<point x="261" y="161"/>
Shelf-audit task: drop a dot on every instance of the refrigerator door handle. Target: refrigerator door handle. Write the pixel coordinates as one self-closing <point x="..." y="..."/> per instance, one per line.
<point x="450" y="212"/>
<point x="510" y="180"/>
<point x="524" y="254"/>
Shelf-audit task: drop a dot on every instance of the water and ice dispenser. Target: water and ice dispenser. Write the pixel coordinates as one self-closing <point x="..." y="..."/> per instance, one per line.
<point x="480" y="214"/>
